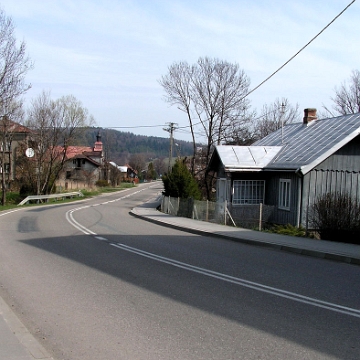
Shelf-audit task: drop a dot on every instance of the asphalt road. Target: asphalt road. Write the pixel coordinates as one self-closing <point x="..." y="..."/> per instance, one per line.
<point x="91" y="282"/>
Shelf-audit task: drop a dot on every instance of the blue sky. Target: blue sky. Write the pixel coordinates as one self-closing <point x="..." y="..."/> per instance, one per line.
<point x="111" y="54"/>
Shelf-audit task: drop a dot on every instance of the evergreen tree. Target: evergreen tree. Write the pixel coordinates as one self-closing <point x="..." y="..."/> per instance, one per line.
<point x="180" y="183"/>
<point x="151" y="173"/>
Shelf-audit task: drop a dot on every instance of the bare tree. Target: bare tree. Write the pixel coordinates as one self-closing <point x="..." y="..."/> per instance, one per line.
<point x="14" y="64"/>
<point x="55" y="125"/>
<point x="212" y="92"/>
<point x="347" y="96"/>
<point x="138" y="163"/>
<point x="242" y="135"/>
<point x="160" y="166"/>
<point x="177" y="85"/>
<point x="219" y="92"/>
<point x="274" y="116"/>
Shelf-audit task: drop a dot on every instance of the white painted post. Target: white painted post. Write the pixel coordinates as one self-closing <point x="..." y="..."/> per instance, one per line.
<point x="207" y="210"/>
<point x="260" y="217"/>
<point x="225" y="208"/>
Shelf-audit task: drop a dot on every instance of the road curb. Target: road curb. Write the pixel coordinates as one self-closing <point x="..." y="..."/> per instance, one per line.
<point x="276" y="246"/>
<point x="26" y="340"/>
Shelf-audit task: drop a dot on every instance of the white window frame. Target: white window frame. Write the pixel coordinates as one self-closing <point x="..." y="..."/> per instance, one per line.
<point x="284" y="194"/>
<point x="6" y="167"/>
<point x="248" y="192"/>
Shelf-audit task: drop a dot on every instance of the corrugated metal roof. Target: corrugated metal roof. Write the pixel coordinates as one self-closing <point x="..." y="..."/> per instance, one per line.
<point x="305" y="146"/>
<point x="122" y="169"/>
<point x="246" y="157"/>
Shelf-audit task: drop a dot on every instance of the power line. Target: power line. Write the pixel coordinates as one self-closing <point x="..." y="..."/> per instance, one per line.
<point x="133" y="127"/>
<point x="256" y="87"/>
<point x="282" y="66"/>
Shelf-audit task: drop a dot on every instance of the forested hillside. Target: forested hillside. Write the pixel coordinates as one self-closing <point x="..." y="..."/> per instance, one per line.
<point x="120" y="145"/>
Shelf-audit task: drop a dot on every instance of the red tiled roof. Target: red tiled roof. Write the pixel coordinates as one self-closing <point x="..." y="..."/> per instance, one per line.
<point x="16" y="127"/>
<point x="72" y="151"/>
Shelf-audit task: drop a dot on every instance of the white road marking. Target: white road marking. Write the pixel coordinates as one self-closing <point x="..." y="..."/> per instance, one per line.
<point x="243" y="282"/>
<point x="83" y="229"/>
<point x="73" y="222"/>
<point x="101" y="238"/>
<point x="214" y="274"/>
<point x="9" y="212"/>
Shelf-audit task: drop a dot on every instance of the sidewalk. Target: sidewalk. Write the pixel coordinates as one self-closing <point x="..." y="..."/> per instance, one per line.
<point x="16" y="343"/>
<point x="349" y="253"/>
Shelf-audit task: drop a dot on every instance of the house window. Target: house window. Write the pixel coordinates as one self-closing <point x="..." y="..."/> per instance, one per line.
<point x="6" y="167"/>
<point x="284" y="194"/>
<point x="7" y="146"/>
<point x="248" y="192"/>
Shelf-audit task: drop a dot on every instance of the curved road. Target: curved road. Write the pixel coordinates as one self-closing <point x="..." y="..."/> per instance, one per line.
<point x="91" y="282"/>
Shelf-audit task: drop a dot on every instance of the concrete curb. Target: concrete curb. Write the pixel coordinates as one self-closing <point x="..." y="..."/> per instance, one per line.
<point x="20" y="345"/>
<point x="323" y="254"/>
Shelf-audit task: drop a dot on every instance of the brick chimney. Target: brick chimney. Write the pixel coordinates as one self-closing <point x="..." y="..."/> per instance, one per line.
<point x="309" y="115"/>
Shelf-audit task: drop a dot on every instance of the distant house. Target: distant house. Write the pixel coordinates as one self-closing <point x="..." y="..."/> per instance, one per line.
<point x="125" y="173"/>
<point x="84" y="166"/>
<point x="12" y="143"/>
<point x="291" y="167"/>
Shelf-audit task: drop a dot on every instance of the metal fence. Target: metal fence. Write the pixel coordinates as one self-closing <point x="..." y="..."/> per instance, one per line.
<point x="246" y="216"/>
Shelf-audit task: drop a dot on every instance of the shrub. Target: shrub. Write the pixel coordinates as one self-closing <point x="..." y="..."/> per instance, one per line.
<point x="12" y="198"/>
<point x="26" y="190"/>
<point x="102" y="183"/>
<point x="288" y="230"/>
<point x="336" y="217"/>
<point x="180" y="183"/>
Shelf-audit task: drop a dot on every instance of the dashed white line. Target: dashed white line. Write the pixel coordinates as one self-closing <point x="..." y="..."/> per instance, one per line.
<point x="214" y="274"/>
<point x="243" y="282"/>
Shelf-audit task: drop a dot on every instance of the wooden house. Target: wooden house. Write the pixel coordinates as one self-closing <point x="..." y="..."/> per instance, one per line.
<point x="84" y="166"/>
<point x="124" y="173"/>
<point x="291" y="167"/>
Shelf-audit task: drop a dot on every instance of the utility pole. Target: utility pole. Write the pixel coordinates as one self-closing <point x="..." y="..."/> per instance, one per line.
<point x="282" y="112"/>
<point x="170" y="129"/>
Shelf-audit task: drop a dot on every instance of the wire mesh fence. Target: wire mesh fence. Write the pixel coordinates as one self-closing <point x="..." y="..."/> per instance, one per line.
<point x="246" y="216"/>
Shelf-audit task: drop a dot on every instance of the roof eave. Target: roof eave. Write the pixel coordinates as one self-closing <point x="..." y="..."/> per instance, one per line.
<point x="232" y="169"/>
<point x="308" y="167"/>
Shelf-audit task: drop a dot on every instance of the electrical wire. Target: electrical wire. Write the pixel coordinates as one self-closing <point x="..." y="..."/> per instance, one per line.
<point x="256" y="87"/>
<point x="292" y="58"/>
<point x="282" y="66"/>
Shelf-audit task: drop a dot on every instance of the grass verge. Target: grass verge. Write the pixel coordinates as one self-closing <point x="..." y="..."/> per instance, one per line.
<point x="13" y="198"/>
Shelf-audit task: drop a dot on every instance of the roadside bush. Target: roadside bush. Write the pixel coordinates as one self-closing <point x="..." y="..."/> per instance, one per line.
<point x="336" y="217"/>
<point x="180" y="183"/>
<point x="12" y="198"/>
<point x="288" y="230"/>
<point x="26" y="190"/>
<point x="102" y="183"/>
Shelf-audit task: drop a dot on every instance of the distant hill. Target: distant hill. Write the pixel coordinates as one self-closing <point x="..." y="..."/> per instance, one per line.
<point x="120" y="145"/>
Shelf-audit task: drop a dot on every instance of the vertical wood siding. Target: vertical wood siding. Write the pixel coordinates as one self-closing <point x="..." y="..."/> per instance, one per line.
<point x="280" y="216"/>
<point x="319" y="182"/>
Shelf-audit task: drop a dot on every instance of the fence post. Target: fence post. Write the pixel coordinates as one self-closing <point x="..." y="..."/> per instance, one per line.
<point x="225" y="207"/>
<point x="207" y="210"/>
<point x="168" y="205"/>
<point x="260" y="217"/>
